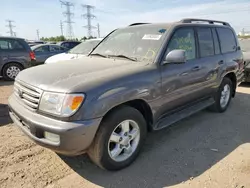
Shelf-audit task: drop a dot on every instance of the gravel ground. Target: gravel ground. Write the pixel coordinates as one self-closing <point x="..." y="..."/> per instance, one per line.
<point x="205" y="150"/>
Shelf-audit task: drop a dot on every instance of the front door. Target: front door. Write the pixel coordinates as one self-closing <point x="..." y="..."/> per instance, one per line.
<point x="179" y="81"/>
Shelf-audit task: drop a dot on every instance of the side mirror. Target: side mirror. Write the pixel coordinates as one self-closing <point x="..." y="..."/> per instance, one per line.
<point x="175" y="56"/>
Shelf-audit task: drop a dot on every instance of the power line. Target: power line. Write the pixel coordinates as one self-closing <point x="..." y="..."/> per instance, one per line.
<point x="69" y="16"/>
<point x="98" y="30"/>
<point x="61" y="27"/>
<point x="10" y="26"/>
<point x="37" y="33"/>
<point x="89" y="16"/>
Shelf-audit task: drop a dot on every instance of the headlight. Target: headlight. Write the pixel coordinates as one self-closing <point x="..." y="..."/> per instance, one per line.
<point x="60" y="104"/>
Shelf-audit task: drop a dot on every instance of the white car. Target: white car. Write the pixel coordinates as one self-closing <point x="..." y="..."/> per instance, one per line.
<point x="78" y="51"/>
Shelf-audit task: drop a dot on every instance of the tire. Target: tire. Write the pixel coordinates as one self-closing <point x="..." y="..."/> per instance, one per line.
<point x="217" y="106"/>
<point x="101" y="149"/>
<point x="14" y="67"/>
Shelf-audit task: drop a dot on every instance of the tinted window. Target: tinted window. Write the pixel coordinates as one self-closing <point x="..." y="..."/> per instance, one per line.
<point x="4" y="44"/>
<point x="227" y="40"/>
<point x="8" y="44"/>
<point x="216" y="42"/>
<point x="183" y="39"/>
<point x="206" y="44"/>
<point x="73" y="44"/>
<point x="55" y="48"/>
<point x="66" y="45"/>
<point x="42" y="49"/>
<point x="85" y="47"/>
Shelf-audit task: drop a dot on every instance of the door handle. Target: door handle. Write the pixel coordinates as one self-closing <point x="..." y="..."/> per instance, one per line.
<point x="196" y="68"/>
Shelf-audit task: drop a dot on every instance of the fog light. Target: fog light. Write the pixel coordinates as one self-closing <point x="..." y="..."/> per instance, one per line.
<point x="52" y="137"/>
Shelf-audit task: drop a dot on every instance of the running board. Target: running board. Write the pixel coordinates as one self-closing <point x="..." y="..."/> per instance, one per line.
<point x="179" y="115"/>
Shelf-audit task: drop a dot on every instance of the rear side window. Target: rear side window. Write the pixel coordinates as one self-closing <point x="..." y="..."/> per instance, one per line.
<point x="184" y="39"/>
<point x="8" y="44"/>
<point x="66" y="45"/>
<point x="55" y="48"/>
<point x="227" y="40"/>
<point x="206" y="44"/>
<point x="216" y="42"/>
<point x="42" y="49"/>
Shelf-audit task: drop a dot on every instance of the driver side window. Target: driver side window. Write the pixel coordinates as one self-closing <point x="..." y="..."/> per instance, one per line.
<point x="184" y="39"/>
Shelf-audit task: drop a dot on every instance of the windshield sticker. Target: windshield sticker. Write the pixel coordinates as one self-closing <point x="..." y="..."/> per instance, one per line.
<point x="162" y="30"/>
<point x="151" y="37"/>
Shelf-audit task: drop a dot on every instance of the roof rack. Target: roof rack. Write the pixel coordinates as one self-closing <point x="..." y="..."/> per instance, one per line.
<point x="137" y="24"/>
<point x="190" y="20"/>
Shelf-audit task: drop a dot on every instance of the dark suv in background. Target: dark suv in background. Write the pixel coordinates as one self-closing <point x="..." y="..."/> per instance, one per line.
<point x="68" y="44"/>
<point x="15" y="55"/>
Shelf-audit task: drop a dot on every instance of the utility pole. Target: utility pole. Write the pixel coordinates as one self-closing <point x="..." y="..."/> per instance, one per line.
<point x="89" y="16"/>
<point x="68" y="14"/>
<point x="61" y="27"/>
<point x="37" y="33"/>
<point x="10" y="26"/>
<point x="98" y="30"/>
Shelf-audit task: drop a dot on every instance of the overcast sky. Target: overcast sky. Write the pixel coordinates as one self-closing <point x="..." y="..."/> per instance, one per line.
<point x="45" y="15"/>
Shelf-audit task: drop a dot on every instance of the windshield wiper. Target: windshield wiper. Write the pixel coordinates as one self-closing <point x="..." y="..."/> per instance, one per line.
<point x="97" y="54"/>
<point x="123" y="56"/>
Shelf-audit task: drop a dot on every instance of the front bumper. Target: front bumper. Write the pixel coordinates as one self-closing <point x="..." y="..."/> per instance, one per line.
<point x="75" y="137"/>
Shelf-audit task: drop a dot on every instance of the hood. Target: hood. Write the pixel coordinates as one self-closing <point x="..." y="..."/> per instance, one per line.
<point x="63" y="57"/>
<point x="71" y="76"/>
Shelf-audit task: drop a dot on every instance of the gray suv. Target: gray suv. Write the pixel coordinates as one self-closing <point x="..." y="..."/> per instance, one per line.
<point x="140" y="78"/>
<point x="15" y="55"/>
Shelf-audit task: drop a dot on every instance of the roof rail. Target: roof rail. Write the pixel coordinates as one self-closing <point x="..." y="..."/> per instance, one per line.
<point x="137" y="24"/>
<point x="190" y="20"/>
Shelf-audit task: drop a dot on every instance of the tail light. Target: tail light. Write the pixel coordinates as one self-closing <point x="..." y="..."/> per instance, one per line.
<point x="32" y="55"/>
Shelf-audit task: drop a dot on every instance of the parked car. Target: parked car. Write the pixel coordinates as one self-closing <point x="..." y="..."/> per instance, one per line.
<point x="15" y="55"/>
<point x="68" y="44"/>
<point x="139" y="78"/>
<point x="78" y="51"/>
<point x="44" y="51"/>
<point x="245" y="47"/>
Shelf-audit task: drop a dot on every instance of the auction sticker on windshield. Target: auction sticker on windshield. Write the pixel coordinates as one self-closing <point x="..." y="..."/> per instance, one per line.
<point x="151" y="37"/>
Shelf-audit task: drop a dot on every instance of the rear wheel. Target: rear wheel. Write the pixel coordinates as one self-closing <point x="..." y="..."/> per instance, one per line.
<point x="223" y="96"/>
<point x="119" y="139"/>
<point x="11" y="70"/>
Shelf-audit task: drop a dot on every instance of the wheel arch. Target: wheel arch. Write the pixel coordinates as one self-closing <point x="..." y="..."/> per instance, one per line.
<point x="233" y="78"/>
<point x="139" y="104"/>
<point x="16" y="62"/>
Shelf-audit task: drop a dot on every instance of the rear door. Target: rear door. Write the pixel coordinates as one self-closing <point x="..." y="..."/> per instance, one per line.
<point x="211" y="61"/>
<point x="233" y="57"/>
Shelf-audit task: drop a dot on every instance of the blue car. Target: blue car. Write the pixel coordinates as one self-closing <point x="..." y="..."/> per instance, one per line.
<point x="44" y="51"/>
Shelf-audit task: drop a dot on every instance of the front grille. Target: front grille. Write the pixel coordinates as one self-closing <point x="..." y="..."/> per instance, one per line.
<point x="29" y="95"/>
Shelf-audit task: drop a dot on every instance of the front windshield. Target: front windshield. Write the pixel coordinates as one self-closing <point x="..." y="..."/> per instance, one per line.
<point x="141" y="43"/>
<point x="84" y="47"/>
<point x="245" y="45"/>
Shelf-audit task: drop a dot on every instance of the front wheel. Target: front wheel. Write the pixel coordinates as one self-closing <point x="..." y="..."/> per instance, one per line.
<point x="10" y="71"/>
<point x="119" y="139"/>
<point x="223" y="96"/>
